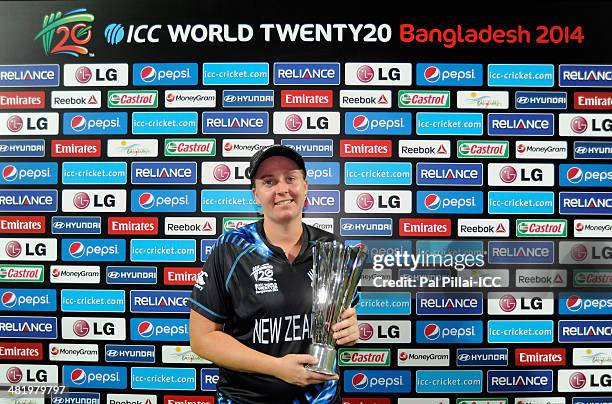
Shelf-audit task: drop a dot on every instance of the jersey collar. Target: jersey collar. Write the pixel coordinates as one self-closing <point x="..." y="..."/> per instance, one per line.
<point x="304" y="250"/>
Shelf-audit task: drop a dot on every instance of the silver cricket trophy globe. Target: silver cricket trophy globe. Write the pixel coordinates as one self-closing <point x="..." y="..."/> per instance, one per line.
<point x="337" y="270"/>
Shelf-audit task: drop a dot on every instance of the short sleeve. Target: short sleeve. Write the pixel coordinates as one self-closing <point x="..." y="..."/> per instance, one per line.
<point x="210" y="297"/>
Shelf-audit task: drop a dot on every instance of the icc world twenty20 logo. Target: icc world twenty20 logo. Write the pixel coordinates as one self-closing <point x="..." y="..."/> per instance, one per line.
<point x="68" y="33"/>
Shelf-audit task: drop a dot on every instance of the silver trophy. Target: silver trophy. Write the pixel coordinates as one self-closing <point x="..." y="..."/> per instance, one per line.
<point x="337" y="270"/>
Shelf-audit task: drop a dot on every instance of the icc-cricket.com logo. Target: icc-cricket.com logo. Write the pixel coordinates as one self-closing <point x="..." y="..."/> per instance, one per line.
<point x="66" y="33"/>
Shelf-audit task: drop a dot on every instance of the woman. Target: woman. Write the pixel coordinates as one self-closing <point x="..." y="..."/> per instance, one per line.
<point x="251" y="304"/>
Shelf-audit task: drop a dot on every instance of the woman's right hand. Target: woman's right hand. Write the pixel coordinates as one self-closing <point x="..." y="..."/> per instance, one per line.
<point x="290" y="368"/>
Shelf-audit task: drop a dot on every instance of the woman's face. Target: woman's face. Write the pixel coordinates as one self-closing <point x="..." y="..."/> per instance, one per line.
<point x="280" y="189"/>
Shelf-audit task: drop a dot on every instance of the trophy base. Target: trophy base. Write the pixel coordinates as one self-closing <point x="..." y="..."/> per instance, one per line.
<point x="327" y="359"/>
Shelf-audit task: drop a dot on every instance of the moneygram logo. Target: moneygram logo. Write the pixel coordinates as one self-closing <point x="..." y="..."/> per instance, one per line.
<point x="66" y="34"/>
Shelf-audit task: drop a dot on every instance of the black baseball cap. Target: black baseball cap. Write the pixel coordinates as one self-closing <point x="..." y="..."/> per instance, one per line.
<point x="270" y="151"/>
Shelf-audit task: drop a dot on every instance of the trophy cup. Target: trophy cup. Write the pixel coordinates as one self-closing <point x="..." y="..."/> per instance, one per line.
<point x="337" y="270"/>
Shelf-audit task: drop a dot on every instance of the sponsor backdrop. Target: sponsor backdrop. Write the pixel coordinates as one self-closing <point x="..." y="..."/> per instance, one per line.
<point x="125" y="132"/>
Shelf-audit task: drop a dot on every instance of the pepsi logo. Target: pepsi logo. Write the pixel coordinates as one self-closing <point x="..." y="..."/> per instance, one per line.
<point x="14" y="123"/>
<point x="579" y="124"/>
<point x="146" y="200"/>
<point x="361" y="123"/>
<point x="13" y="249"/>
<point x="521" y="148"/>
<point x="293" y="122"/>
<point x="365" y="74"/>
<point x="579" y="226"/>
<point x="507" y="303"/>
<point x="579" y="252"/>
<point x="145" y="329"/>
<point x="14" y="375"/>
<point x="80" y="328"/>
<point x="432" y="332"/>
<point x="573" y="303"/>
<point x="83" y="74"/>
<point x="577" y="380"/>
<point x="76" y="249"/>
<point x="432" y="74"/>
<point x="78" y="123"/>
<point x="508" y="174"/>
<point x="433" y="202"/>
<point x="81" y="200"/>
<point x="222" y="172"/>
<point x="574" y="175"/>
<point x="54" y="351"/>
<point x="9" y="299"/>
<point x="365" y="201"/>
<point x="359" y="381"/>
<point x="78" y="376"/>
<point x="170" y="97"/>
<point x="147" y="74"/>
<point x="9" y="173"/>
<point x="366" y="331"/>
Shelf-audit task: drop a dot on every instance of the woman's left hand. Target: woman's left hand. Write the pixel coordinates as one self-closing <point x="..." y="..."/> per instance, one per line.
<point x="346" y="331"/>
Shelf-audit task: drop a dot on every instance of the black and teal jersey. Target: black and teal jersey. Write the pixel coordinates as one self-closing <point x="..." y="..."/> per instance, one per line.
<point x="263" y="301"/>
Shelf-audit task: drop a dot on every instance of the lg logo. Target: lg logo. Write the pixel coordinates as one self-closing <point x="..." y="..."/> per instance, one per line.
<point x="295" y="122"/>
